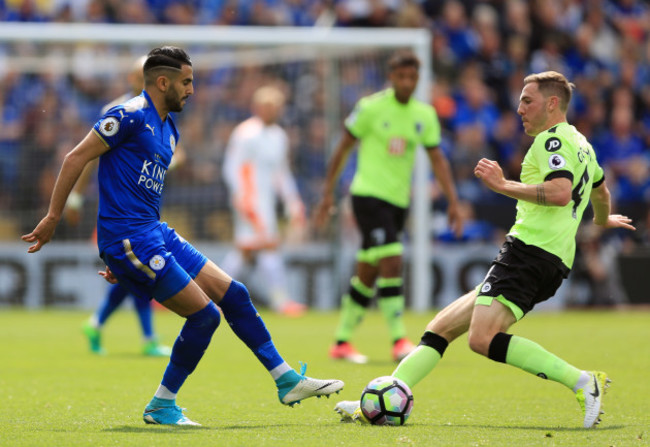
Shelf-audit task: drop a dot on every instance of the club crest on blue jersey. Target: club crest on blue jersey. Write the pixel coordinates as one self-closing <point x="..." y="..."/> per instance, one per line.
<point x="172" y="143"/>
<point x="157" y="262"/>
<point x="109" y="126"/>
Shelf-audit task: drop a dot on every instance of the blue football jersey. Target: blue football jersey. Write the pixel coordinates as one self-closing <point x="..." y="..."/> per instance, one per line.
<point x="132" y="173"/>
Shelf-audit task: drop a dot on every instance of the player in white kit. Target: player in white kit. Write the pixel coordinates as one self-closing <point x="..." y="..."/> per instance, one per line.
<point x="256" y="170"/>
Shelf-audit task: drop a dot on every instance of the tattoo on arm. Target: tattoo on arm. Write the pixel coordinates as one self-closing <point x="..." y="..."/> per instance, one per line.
<point x="541" y="195"/>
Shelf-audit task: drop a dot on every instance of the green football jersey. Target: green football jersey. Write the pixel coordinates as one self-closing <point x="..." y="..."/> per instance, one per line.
<point x="561" y="151"/>
<point x="389" y="134"/>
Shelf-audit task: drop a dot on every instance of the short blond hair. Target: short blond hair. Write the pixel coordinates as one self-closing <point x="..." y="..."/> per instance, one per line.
<point x="269" y="95"/>
<point x="552" y="83"/>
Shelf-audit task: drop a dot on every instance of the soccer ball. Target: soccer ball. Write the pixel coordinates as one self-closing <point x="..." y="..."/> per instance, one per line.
<point x="387" y="401"/>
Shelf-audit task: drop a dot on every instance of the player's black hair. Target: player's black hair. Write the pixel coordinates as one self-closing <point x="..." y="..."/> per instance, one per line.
<point x="403" y="58"/>
<point x="166" y="57"/>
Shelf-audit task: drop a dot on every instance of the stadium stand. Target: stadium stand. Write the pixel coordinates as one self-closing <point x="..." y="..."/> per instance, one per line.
<point x="481" y="52"/>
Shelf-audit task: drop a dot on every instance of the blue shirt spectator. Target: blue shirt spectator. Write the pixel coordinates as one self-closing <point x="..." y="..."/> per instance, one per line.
<point x="619" y="145"/>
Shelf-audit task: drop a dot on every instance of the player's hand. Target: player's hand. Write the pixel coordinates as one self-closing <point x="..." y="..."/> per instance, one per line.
<point x="618" y="221"/>
<point x="108" y="275"/>
<point x="490" y="174"/>
<point x="455" y="219"/>
<point x="42" y="234"/>
<point x="324" y="211"/>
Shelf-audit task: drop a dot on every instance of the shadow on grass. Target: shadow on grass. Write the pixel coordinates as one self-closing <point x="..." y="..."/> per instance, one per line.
<point x="163" y="429"/>
<point x="260" y="427"/>
<point x="523" y="427"/>
<point x="189" y="428"/>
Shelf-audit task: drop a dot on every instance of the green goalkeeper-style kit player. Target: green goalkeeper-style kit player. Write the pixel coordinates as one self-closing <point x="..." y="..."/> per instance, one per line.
<point x="390" y="126"/>
<point x="560" y="175"/>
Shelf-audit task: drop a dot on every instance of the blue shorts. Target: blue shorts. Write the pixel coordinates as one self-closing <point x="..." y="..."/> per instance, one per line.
<point x="154" y="264"/>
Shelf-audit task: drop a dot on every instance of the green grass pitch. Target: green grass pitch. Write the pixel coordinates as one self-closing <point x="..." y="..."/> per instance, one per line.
<point x="54" y="393"/>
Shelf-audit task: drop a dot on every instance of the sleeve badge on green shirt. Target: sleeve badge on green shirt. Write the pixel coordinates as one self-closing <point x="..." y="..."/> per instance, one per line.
<point x="418" y="127"/>
<point x="553" y="144"/>
<point x="556" y="161"/>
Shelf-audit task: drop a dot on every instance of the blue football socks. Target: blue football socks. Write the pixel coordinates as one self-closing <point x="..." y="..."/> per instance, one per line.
<point x="190" y="346"/>
<point x="247" y="324"/>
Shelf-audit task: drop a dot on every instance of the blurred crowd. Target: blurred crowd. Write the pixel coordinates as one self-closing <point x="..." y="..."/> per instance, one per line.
<point x="482" y="50"/>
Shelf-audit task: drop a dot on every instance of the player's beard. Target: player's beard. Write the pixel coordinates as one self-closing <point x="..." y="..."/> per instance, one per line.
<point x="173" y="102"/>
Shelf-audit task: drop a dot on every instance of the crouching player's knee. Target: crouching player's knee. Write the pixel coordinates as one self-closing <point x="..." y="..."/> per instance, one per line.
<point x="481" y="342"/>
<point x="492" y="346"/>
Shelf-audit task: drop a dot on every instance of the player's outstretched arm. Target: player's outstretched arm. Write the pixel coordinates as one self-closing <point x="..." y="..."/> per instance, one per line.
<point x="555" y="192"/>
<point x="442" y="171"/>
<point x="326" y="207"/>
<point x="601" y="203"/>
<point x="88" y="149"/>
<point x="75" y="201"/>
